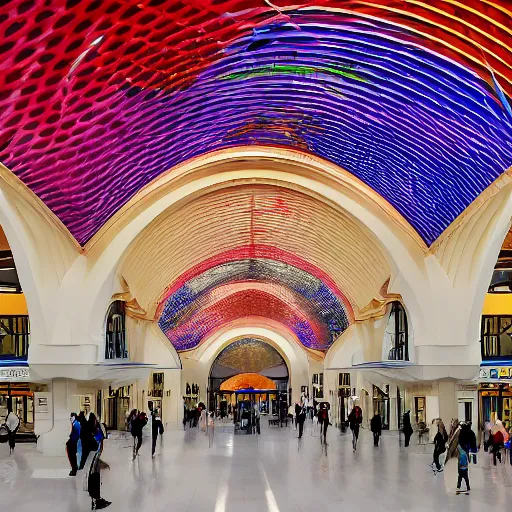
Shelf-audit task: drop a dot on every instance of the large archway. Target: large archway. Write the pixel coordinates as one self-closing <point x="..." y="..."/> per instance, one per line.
<point x="248" y="362"/>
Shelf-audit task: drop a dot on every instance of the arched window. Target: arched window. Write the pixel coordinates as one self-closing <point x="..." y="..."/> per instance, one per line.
<point x="396" y="338"/>
<point x="115" y="333"/>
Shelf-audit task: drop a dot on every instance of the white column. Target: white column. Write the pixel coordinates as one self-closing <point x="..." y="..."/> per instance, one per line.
<point x="447" y="401"/>
<point x="57" y="425"/>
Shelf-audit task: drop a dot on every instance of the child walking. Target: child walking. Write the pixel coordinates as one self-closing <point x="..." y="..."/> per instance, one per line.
<point x="463" y="469"/>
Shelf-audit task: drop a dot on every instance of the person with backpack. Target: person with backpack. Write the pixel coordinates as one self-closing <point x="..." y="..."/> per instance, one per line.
<point x="355" y="418"/>
<point x="137" y="424"/>
<point x="72" y="443"/>
<point x="440" y="441"/>
<point x="94" y="474"/>
<point x="463" y="469"/>
<point x="376" y="428"/>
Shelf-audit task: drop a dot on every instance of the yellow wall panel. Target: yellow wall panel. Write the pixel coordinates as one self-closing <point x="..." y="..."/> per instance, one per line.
<point x="13" y="304"/>
<point x="498" y="304"/>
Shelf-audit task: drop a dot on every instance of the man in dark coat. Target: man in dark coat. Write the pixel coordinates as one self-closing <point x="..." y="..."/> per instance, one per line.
<point x="355" y="418"/>
<point x="301" y="418"/>
<point x="376" y="428"/>
<point x="407" y="428"/>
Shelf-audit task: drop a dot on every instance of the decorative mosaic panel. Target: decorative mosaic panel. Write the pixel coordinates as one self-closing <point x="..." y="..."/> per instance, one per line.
<point x="249" y="355"/>
<point x="312" y="296"/>
<point x="209" y="315"/>
<point x="98" y="98"/>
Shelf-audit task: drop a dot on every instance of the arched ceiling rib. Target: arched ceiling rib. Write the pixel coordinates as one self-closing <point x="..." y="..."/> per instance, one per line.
<point x="257" y="222"/>
<point x="99" y="98"/>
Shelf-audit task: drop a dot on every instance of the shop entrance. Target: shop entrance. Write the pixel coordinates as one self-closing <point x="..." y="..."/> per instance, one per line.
<point x="258" y="366"/>
<point x="495" y="403"/>
<point x="381" y="405"/>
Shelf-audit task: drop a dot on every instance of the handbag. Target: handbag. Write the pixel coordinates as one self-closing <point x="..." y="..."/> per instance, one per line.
<point x="4" y="434"/>
<point x="161" y="428"/>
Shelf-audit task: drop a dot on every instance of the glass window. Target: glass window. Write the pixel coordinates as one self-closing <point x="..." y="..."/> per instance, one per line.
<point x="14" y="336"/>
<point x="115" y="333"/>
<point x="396" y="337"/>
<point x="419" y="407"/>
<point x="496" y="337"/>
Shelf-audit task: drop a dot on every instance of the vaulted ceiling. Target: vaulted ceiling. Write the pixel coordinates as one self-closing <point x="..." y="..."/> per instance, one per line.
<point x="99" y="98"/>
<point x="260" y="251"/>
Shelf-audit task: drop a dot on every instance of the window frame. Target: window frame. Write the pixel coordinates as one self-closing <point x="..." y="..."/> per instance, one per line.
<point x="116" y="307"/>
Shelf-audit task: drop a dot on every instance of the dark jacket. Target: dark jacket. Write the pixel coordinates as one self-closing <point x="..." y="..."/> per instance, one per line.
<point x="355" y="418"/>
<point x="301" y="416"/>
<point x="439" y="443"/>
<point x="376" y="424"/>
<point x="138" y="424"/>
<point x="407" y="429"/>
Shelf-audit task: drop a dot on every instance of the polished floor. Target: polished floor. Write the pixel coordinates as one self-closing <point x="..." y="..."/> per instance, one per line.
<point x="273" y="472"/>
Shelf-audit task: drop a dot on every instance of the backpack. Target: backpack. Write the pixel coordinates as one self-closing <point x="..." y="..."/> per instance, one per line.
<point x="463" y="459"/>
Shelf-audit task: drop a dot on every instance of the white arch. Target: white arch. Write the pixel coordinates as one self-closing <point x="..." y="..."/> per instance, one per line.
<point x="43" y="251"/>
<point x="295" y="357"/>
<point x="286" y="167"/>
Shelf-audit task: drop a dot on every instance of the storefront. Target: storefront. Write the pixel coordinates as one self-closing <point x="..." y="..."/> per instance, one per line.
<point x="495" y="394"/>
<point x="17" y="394"/>
<point x="381" y="405"/>
<point x="156" y="392"/>
<point x="117" y="407"/>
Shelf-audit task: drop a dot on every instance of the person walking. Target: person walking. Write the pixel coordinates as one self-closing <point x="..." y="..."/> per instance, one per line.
<point x="12" y="423"/>
<point x="376" y="428"/>
<point x="157" y="427"/>
<point x="496" y="442"/>
<point x="355" y="418"/>
<point x="137" y="425"/>
<point x="257" y="419"/>
<point x="86" y="436"/>
<point x="72" y="443"/>
<point x="407" y="427"/>
<point x="94" y="473"/>
<point x="473" y="446"/>
<point x="463" y="469"/>
<point x="323" y="420"/>
<point x="440" y="441"/>
<point x="301" y="418"/>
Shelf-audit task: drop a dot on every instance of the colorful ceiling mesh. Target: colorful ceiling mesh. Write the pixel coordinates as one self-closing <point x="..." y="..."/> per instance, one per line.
<point x="211" y="313"/>
<point x="97" y="98"/>
<point x="285" y="283"/>
<point x="249" y="355"/>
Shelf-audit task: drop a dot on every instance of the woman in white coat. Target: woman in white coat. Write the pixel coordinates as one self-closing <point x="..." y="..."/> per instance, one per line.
<point x="12" y="422"/>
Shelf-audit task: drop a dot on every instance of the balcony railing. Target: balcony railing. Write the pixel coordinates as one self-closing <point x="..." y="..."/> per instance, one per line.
<point x="14" y="337"/>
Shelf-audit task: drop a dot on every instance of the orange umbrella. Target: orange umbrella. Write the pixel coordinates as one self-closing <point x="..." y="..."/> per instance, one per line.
<point x="247" y="381"/>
